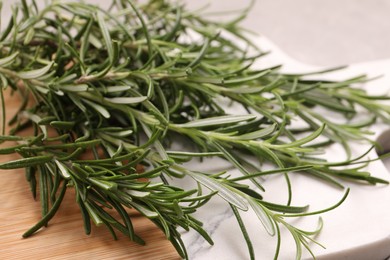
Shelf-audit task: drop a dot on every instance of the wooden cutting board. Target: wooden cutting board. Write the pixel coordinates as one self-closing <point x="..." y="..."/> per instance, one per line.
<point x="64" y="238"/>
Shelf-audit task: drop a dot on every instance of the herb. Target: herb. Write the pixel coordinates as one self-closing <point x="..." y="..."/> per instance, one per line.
<point x="108" y="94"/>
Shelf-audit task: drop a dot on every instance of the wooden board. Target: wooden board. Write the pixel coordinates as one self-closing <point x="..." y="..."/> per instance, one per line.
<point x="64" y="238"/>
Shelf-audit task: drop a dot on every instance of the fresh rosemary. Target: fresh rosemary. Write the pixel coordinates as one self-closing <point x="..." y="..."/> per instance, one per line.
<point x="107" y="95"/>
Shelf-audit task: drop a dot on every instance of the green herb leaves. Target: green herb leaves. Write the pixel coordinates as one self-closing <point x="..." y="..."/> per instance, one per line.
<point x="217" y="121"/>
<point x="26" y="162"/>
<point x="35" y="74"/>
<point x="116" y="101"/>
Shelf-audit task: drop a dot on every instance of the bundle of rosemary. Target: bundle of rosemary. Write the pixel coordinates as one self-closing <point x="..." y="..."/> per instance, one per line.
<point x="108" y="96"/>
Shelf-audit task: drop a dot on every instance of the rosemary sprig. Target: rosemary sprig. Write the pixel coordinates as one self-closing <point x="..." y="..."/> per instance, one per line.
<point x="108" y="94"/>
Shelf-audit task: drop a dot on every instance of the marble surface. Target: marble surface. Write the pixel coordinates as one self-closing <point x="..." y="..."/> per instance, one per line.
<point x="330" y="33"/>
<point x="358" y="229"/>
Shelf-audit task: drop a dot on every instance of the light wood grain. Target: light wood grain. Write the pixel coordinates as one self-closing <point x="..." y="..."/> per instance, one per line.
<point x="64" y="238"/>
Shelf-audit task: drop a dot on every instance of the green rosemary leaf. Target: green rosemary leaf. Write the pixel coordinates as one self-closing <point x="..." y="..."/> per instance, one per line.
<point x="323" y="210"/>
<point x="113" y="89"/>
<point x="304" y="140"/>
<point x="29" y="36"/>
<point x="244" y="232"/>
<point x="201" y="54"/>
<point x="144" y="28"/>
<point x="205" y="197"/>
<point x="298" y="244"/>
<point x="156" y="172"/>
<point x="126" y="100"/>
<point x="62" y="125"/>
<point x="264" y="217"/>
<point x="124" y="133"/>
<point x="34" y="74"/>
<point x="12" y="149"/>
<point x="217" y="121"/>
<point x="282" y="170"/>
<point x="179" y="246"/>
<point x="8" y="29"/>
<point x="63" y="170"/>
<point x="30" y="177"/>
<point x="93" y="214"/>
<point x="258" y="134"/>
<point x="126" y="219"/>
<point x="49" y="215"/>
<point x="103" y="184"/>
<point x="284" y="208"/>
<point x="189" y="154"/>
<point x="223" y="191"/>
<point x="26" y="162"/>
<point x="4" y="62"/>
<point x="86" y="218"/>
<point x="28" y="23"/>
<point x="138" y="194"/>
<point x="144" y="210"/>
<point x="46" y="120"/>
<point x="11" y="138"/>
<point x="74" y="88"/>
<point x="106" y="35"/>
<point x="228" y="156"/>
<point x="317" y="72"/>
<point x="100" y="109"/>
<point x="201" y="231"/>
<point x="43" y="191"/>
<point x="246" y="79"/>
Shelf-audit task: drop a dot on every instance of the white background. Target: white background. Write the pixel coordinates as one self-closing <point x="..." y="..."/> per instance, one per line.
<point x="319" y="32"/>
